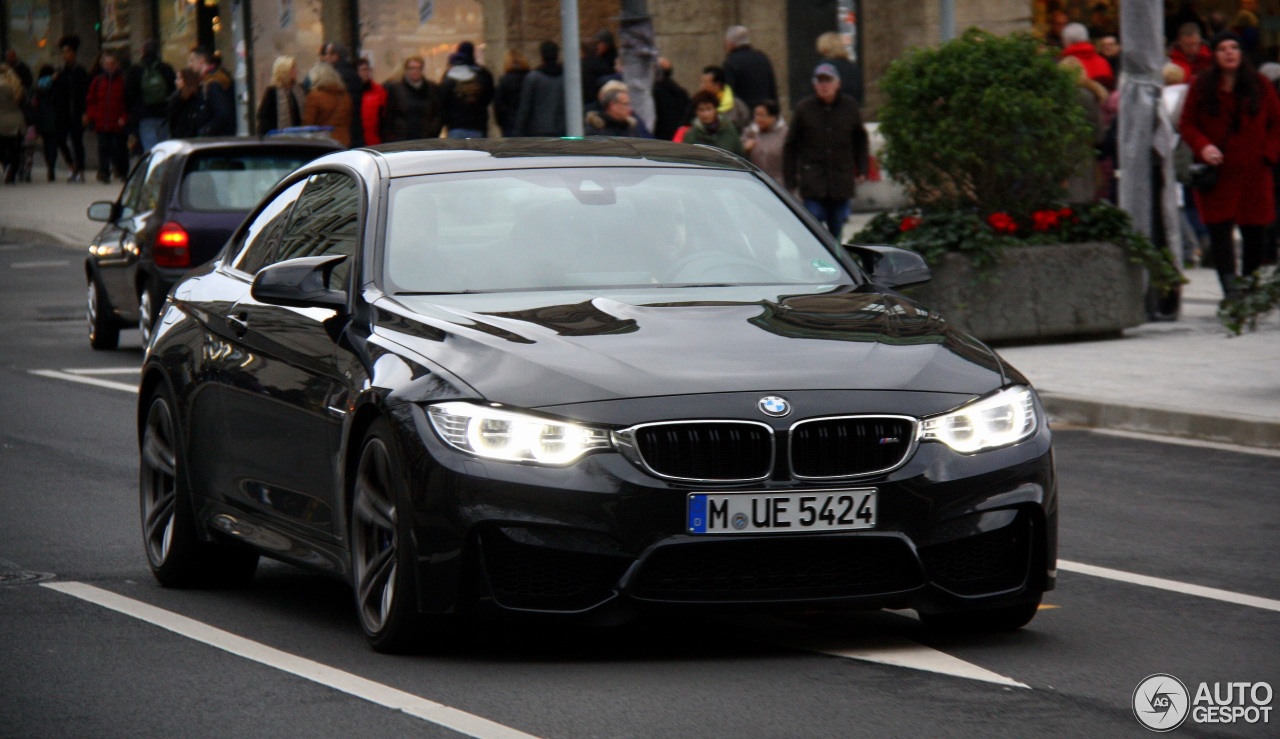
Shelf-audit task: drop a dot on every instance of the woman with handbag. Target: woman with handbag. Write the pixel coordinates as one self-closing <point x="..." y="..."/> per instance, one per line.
<point x="1231" y="121"/>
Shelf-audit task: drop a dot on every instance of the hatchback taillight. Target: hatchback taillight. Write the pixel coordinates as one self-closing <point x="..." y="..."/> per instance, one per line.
<point x="173" y="246"/>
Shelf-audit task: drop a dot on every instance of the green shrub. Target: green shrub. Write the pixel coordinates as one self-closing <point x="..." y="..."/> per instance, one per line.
<point x="984" y="122"/>
<point x="935" y="232"/>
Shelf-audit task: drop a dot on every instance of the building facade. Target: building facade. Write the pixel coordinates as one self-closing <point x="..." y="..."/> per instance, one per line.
<point x="250" y="34"/>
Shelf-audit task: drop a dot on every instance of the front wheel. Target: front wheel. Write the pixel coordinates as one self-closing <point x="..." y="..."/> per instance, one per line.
<point x="177" y="557"/>
<point x="104" y="332"/>
<point x="382" y="548"/>
<point x="148" y="312"/>
<point x="984" y="620"/>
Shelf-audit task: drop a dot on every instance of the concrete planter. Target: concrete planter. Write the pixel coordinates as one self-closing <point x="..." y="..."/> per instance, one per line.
<point x="1038" y="293"/>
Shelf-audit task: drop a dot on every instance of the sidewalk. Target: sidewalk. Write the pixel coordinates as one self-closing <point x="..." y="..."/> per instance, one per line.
<point x="1187" y="378"/>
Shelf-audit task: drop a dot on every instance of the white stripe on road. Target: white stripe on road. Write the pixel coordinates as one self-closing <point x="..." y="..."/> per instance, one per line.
<point x="1199" y="444"/>
<point x="105" y="371"/>
<point x="39" y="265"/>
<point x="56" y="375"/>
<point x="902" y="652"/>
<point x="1171" y="585"/>
<point x="331" y="677"/>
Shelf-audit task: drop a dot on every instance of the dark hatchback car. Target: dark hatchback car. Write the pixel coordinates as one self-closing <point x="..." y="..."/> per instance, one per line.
<point x="583" y="378"/>
<point x="175" y="212"/>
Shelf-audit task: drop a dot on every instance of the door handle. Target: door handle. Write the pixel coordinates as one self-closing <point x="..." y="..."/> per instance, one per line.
<point x="239" y="324"/>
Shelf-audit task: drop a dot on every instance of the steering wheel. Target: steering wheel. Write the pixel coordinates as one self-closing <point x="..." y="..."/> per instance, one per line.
<point x="717" y="266"/>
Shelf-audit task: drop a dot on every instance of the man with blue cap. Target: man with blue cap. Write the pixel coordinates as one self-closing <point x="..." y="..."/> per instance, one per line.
<point x="825" y="153"/>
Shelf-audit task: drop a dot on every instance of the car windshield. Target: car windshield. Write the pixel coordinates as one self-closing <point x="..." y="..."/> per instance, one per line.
<point x="236" y="181"/>
<point x="598" y="228"/>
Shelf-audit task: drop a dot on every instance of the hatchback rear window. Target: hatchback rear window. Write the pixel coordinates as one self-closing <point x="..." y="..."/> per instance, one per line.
<point x="236" y="182"/>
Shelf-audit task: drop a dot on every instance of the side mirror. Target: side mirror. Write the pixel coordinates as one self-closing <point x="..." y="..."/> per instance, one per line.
<point x="891" y="266"/>
<point x="103" y="211"/>
<point x="300" y="283"/>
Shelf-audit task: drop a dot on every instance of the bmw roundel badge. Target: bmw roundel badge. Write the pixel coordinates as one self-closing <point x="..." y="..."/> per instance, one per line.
<point x="772" y="405"/>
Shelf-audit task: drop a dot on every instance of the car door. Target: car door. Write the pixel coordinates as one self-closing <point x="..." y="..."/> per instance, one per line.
<point x="116" y="245"/>
<point x="285" y="398"/>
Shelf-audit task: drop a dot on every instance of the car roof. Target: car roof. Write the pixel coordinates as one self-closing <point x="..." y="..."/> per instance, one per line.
<point x="189" y="146"/>
<point x="436" y="156"/>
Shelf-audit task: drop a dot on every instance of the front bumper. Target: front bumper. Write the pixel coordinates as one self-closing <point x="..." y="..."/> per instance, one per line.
<point x="953" y="532"/>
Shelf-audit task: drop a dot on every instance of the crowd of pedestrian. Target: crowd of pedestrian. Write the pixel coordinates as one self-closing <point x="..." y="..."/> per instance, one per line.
<point x="130" y="107"/>
<point x="1222" y="110"/>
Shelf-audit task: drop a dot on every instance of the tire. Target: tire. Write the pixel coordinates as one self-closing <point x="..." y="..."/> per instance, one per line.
<point x="104" y="332"/>
<point x="177" y="557"/>
<point x="983" y="621"/>
<point x="382" y="548"/>
<point x="149" y="305"/>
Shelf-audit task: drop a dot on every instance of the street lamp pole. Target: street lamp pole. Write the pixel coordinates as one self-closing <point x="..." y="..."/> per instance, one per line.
<point x="948" y="12"/>
<point x="570" y="44"/>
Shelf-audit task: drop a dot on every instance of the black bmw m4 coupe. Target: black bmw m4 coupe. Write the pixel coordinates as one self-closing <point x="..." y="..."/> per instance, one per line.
<point x="588" y="378"/>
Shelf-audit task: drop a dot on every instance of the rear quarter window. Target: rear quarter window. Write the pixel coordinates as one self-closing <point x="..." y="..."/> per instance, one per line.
<point x="226" y="182"/>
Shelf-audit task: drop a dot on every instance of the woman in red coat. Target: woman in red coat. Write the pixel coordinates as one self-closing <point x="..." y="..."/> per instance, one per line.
<point x="1231" y="120"/>
<point x="373" y="103"/>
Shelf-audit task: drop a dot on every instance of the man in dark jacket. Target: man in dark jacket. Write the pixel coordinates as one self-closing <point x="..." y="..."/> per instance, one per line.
<point x="147" y="91"/>
<point x="217" y="115"/>
<point x="670" y="101"/>
<point x="747" y="70"/>
<point x="826" y="150"/>
<point x="70" y="86"/>
<point x="615" y="116"/>
<point x="542" y="97"/>
<point x="598" y="64"/>
<point x="413" y="105"/>
<point x="465" y="93"/>
<point x="106" y="111"/>
<point x="336" y="55"/>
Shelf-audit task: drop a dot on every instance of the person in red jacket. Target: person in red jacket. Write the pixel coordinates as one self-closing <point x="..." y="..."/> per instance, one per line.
<point x="373" y="103"/>
<point x="1075" y="42"/>
<point x="1189" y="52"/>
<point x="1231" y="120"/>
<point x="106" y="111"/>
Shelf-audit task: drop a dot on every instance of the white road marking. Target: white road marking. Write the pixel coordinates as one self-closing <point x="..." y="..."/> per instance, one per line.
<point x="39" y="265"/>
<point x="1171" y="585"/>
<point x="56" y="375"/>
<point x="1189" y="442"/>
<point x="888" y="649"/>
<point x="331" y="677"/>
<point x="13" y="247"/>
<point x="105" y="371"/>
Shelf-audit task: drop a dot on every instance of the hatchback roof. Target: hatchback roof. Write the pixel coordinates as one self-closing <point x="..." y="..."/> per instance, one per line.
<point x="434" y="156"/>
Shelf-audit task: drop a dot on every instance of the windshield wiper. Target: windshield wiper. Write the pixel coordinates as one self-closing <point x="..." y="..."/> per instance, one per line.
<point x="416" y="293"/>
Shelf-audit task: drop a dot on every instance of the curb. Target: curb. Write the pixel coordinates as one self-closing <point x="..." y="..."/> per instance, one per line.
<point x="40" y="237"/>
<point x="1161" y="422"/>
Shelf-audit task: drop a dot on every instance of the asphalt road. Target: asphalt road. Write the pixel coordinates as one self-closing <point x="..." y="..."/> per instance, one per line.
<point x="285" y="656"/>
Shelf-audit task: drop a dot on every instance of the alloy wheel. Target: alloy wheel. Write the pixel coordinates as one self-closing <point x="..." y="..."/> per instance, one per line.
<point x="159" y="482"/>
<point x="144" y="315"/>
<point x="374" y="539"/>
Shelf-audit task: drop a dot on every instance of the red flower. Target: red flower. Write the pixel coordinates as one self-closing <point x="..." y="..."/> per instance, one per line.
<point x="909" y="223"/>
<point x="1002" y="222"/>
<point x="1045" y="220"/>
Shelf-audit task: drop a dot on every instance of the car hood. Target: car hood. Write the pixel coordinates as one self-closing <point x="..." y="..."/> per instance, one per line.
<point x="535" y="349"/>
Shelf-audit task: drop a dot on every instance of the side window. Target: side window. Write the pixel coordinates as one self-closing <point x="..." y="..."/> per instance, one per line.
<point x="325" y="221"/>
<point x="150" y="194"/>
<point x="261" y="239"/>
<point x="130" y="198"/>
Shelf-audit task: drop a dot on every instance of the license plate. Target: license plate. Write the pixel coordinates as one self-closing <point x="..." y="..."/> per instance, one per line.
<point x="817" y="510"/>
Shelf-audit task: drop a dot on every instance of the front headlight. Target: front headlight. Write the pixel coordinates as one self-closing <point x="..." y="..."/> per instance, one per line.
<point x="1004" y="418"/>
<point x="513" y="437"/>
